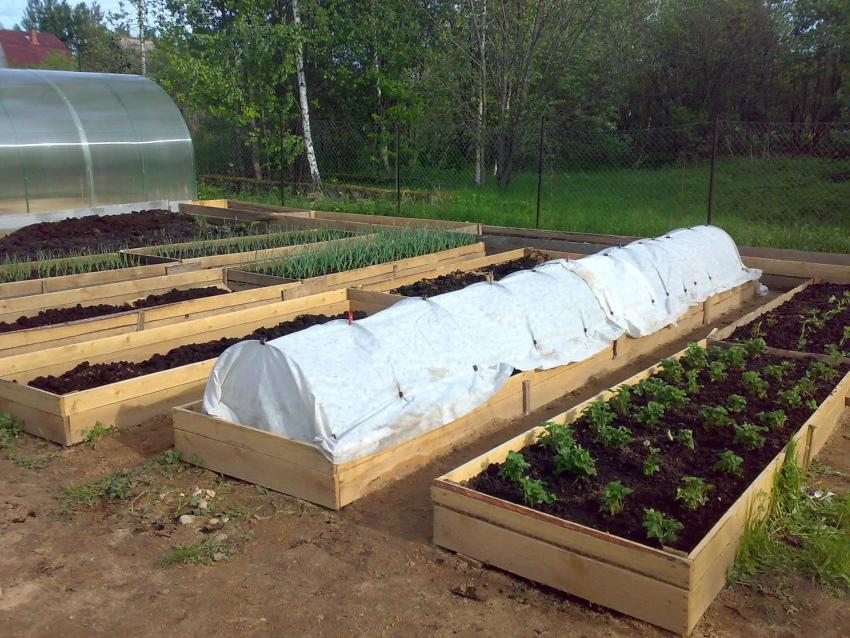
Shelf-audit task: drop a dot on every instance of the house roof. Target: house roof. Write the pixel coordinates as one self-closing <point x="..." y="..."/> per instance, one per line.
<point x="28" y="48"/>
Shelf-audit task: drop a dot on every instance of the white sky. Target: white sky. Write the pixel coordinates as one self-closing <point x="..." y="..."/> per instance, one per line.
<point x="11" y="11"/>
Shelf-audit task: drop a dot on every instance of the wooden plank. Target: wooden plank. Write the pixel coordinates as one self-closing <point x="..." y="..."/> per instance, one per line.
<point x="254" y="466"/>
<point x="634" y="594"/>
<point x="836" y="273"/>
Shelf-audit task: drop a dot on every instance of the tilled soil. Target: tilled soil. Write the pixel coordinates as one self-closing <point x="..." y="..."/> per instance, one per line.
<point x="783" y="327"/>
<point x="54" y="316"/>
<point x="86" y="375"/>
<point x="107" y="233"/>
<point x="460" y="279"/>
<point x="578" y="499"/>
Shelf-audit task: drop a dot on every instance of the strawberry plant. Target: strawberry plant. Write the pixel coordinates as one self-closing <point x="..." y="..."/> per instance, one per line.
<point x="735" y="403"/>
<point x="613" y="497"/>
<point x="613" y="437"/>
<point x="773" y="420"/>
<point x="694" y="492"/>
<point x="734" y="357"/>
<point x="693" y="385"/>
<point x="671" y="371"/>
<point x="534" y="492"/>
<point x="686" y="438"/>
<point x="729" y="463"/>
<point x="717" y="371"/>
<point x="555" y="436"/>
<point x="652" y="463"/>
<point x="599" y="415"/>
<point x="778" y="371"/>
<point x="650" y="414"/>
<point x="662" y="528"/>
<point x="621" y="400"/>
<point x="821" y="371"/>
<point x="755" y="346"/>
<point x="749" y="435"/>
<point x="514" y="467"/>
<point x="755" y="385"/>
<point x="791" y="398"/>
<point x="715" y="416"/>
<point x="805" y="386"/>
<point x="672" y="396"/>
<point x="574" y="459"/>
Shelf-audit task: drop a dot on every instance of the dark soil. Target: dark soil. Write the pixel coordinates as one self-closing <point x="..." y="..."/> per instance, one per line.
<point x="107" y="233"/>
<point x="86" y="375"/>
<point x="783" y="327"/>
<point x="61" y="315"/>
<point x="578" y="499"/>
<point x="460" y="279"/>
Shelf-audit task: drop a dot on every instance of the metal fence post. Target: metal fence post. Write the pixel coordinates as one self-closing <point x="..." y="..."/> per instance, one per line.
<point x="711" y="170"/>
<point x="397" y="178"/>
<point x="539" y="174"/>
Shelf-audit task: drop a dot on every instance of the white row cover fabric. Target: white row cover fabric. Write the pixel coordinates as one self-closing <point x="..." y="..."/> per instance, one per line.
<point x="356" y="389"/>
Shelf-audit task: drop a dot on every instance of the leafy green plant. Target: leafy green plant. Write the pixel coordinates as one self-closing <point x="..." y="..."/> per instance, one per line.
<point x="692" y="381"/>
<point x="693" y="492"/>
<point x="715" y="416"/>
<point x="685" y="436"/>
<point x="672" y="397"/>
<point x="735" y="403"/>
<point x="671" y="370"/>
<point x="734" y="357"/>
<point x="778" y="371"/>
<point x="755" y="346"/>
<point x="730" y="463"/>
<point x="599" y="415"/>
<point x="555" y="436"/>
<point x="514" y="467"/>
<point x="749" y="435"/>
<point x="791" y="398"/>
<point x="662" y="528"/>
<point x="202" y="553"/>
<point x="613" y="497"/>
<point x="113" y="487"/>
<point x="91" y="437"/>
<point x="534" y="492"/>
<point x="754" y="384"/>
<point x="621" y="400"/>
<point x="717" y="371"/>
<point x="652" y="462"/>
<point x="613" y="437"/>
<point x="696" y="356"/>
<point x="773" y="420"/>
<point x="574" y="459"/>
<point x="10" y="430"/>
<point x="821" y="371"/>
<point x="651" y="413"/>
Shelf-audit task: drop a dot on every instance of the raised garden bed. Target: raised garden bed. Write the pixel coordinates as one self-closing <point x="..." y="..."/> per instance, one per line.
<point x="591" y="540"/>
<point x="813" y="317"/>
<point x="299" y="469"/>
<point x="95" y="234"/>
<point x="63" y="417"/>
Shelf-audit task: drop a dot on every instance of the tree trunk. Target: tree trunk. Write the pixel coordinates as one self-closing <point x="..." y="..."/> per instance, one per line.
<point x="482" y="97"/>
<point x="382" y="129"/>
<point x="304" y="104"/>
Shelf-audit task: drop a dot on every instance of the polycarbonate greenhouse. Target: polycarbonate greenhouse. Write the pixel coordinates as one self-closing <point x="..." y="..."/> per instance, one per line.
<point x="72" y="143"/>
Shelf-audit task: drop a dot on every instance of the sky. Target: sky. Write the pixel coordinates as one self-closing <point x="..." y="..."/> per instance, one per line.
<point x="11" y="11"/>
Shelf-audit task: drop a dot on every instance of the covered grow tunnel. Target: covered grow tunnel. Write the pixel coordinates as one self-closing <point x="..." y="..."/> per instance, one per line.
<point x="77" y="143"/>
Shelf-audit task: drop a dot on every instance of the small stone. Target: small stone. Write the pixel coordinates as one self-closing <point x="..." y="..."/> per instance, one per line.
<point x="210" y="493"/>
<point x="225" y="519"/>
<point x="197" y="491"/>
<point x="219" y="556"/>
<point x="221" y="537"/>
<point x="203" y="504"/>
<point x="186" y="519"/>
<point x="213" y="524"/>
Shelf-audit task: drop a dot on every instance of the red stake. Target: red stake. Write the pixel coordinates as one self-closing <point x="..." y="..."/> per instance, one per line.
<point x="350" y="317"/>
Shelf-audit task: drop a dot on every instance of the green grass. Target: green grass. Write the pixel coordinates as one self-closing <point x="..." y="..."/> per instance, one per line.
<point x="802" y="532"/>
<point x="116" y="487"/>
<point x="200" y="553"/>
<point x="798" y="203"/>
<point x="10" y="430"/>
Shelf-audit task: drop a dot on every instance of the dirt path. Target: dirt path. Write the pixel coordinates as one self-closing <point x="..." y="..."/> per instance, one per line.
<point x="290" y="568"/>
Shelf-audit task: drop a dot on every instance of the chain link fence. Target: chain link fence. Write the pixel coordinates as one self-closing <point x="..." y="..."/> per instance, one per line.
<point x="774" y="184"/>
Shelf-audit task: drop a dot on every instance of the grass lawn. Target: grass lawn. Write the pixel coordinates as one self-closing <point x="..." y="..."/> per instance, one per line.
<point x="783" y="203"/>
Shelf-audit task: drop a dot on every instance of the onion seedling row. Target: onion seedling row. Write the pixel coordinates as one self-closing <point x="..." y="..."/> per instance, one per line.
<point x="204" y="248"/>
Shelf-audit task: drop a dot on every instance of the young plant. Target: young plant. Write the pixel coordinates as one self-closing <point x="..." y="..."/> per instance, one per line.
<point x="662" y="528"/>
<point x="693" y="492"/>
<point x="534" y="492"/>
<point x="729" y="463"/>
<point x="671" y="371"/>
<point x="599" y="415"/>
<point x="650" y="414"/>
<point x="514" y="467"/>
<point x="791" y="398"/>
<point x="717" y="371"/>
<point x="574" y="459"/>
<point x="696" y="356"/>
<point x="715" y="416"/>
<point x="685" y="436"/>
<point x="750" y="436"/>
<point x="820" y="371"/>
<point x="652" y="463"/>
<point x="621" y="400"/>
<point x="755" y="385"/>
<point x="773" y="420"/>
<point x="692" y="377"/>
<point x="613" y="437"/>
<point x="736" y="403"/>
<point x="672" y="397"/>
<point x="735" y="357"/>
<point x="556" y="436"/>
<point x="755" y="346"/>
<point x="613" y="498"/>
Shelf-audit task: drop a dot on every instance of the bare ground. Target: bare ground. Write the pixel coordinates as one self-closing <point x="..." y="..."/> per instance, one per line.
<point x="73" y="568"/>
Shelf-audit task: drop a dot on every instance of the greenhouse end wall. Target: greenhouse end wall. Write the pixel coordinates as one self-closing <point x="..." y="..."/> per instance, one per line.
<point x="78" y="143"/>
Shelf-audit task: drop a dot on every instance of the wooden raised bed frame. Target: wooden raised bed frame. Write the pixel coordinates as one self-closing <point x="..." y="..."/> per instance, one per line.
<point x="665" y="587"/>
<point x="33" y="339"/>
<point x="62" y="418"/>
<point x="299" y="469"/>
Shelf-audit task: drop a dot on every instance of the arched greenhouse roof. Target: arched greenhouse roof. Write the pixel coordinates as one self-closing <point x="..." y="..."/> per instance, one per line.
<point x="84" y="141"/>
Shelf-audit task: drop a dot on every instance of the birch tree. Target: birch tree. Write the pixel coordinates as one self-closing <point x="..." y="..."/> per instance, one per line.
<point x="303" y="103"/>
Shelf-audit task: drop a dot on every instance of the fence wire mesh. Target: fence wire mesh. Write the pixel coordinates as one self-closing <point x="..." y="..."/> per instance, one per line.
<point x="771" y="181"/>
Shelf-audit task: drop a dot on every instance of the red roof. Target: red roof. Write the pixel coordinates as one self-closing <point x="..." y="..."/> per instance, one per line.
<point x="28" y="48"/>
